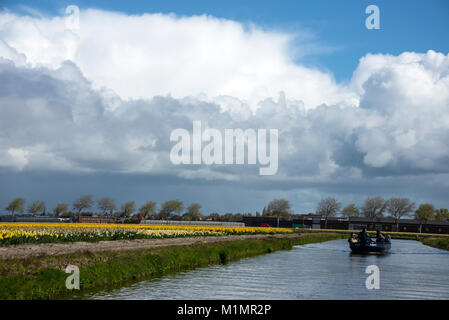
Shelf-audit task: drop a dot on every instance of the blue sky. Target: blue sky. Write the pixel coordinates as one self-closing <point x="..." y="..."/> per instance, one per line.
<point x="336" y="27"/>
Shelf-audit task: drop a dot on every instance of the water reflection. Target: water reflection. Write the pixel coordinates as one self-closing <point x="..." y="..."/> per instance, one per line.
<point x="315" y="271"/>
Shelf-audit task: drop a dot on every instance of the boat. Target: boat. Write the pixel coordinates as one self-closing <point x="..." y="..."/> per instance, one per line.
<point x="370" y="246"/>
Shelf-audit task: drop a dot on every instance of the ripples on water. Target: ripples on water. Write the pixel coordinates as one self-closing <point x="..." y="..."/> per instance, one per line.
<point x="315" y="271"/>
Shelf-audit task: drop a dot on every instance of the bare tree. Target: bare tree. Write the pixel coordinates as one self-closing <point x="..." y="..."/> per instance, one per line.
<point x="374" y="208"/>
<point x="264" y="212"/>
<point x="84" y="202"/>
<point x="279" y="208"/>
<point x="169" y="207"/>
<point x="442" y="214"/>
<point x="424" y="213"/>
<point x="193" y="212"/>
<point x="227" y="217"/>
<point x="36" y="207"/>
<point x="148" y="209"/>
<point x="328" y="208"/>
<point x="398" y="208"/>
<point x="350" y="210"/>
<point x="214" y="216"/>
<point x="128" y="208"/>
<point x="60" y="209"/>
<point x="106" y="205"/>
<point x="16" y="205"/>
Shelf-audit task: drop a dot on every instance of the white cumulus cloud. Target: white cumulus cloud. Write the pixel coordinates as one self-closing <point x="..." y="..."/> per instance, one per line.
<point x="102" y="99"/>
<point x="139" y="56"/>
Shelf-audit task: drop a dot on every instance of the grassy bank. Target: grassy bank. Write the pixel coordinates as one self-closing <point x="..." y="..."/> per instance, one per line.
<point x="44" y="277"/>
<point x="440" y="243"/>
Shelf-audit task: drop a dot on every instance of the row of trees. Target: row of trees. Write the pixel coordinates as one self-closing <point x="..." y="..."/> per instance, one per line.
<point x="372" y="208"/>
<point x="18" y="204"/>
<point x="377" y="207"/>
<point x="107" y="207"/>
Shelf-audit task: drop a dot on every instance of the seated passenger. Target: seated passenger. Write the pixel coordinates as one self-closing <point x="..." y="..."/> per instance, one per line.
<point x="379" y="236"/>
<point x="353" y="238"/>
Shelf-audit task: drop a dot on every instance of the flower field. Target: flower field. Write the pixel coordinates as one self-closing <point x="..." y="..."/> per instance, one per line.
<point x="19" y="233"/>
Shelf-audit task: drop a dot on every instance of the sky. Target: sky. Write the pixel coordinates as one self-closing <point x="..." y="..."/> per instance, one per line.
<point x="87" y="105"/>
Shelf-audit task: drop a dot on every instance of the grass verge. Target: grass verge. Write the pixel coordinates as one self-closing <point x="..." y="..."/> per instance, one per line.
<point x="44" y="277"/>
<point x="440" y="243"/>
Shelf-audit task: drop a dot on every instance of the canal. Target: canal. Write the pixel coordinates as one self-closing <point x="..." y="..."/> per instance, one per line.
<point x="325" y="270"/>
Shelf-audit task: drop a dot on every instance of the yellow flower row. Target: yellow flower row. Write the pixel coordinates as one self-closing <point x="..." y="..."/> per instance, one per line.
<point x="59" y="226"/>
<point x="8" y="234"/>
<point x="19" y="233"/>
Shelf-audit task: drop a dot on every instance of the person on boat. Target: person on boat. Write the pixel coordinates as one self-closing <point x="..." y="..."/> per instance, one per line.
<point x="353" y="238"/>
<point x="363" y="235"/>
<point x="379" y="236"/>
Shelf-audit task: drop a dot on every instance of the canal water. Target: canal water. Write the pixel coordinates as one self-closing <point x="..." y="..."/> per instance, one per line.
<point x="325" y="270"/>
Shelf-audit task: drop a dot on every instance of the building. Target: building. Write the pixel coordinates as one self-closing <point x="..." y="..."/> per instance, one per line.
<point x="313" y="221"/>
<point x="95" y="219"/>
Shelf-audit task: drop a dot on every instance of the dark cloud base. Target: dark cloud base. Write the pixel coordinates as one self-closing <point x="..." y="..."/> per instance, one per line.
<point x="215" y="196"/>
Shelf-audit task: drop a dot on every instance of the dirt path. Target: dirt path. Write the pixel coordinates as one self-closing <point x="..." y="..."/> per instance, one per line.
<point x="24" y="251"/>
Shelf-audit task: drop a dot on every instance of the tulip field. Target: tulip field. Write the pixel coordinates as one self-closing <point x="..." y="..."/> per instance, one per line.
<point x="21" y="233"/>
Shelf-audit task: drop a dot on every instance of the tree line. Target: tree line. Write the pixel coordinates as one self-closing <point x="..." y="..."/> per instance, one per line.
<point x="378" y="207"/>
<point x="372" y="208"/>
<point x="106" y="207"/>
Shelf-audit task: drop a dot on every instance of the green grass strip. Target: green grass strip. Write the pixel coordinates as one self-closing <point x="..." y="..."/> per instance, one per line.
<point x="44" y="277"/>
<point x="440" y="243"/>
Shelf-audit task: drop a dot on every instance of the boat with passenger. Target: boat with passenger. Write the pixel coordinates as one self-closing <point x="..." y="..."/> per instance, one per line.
<point x="363" y="243"/>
